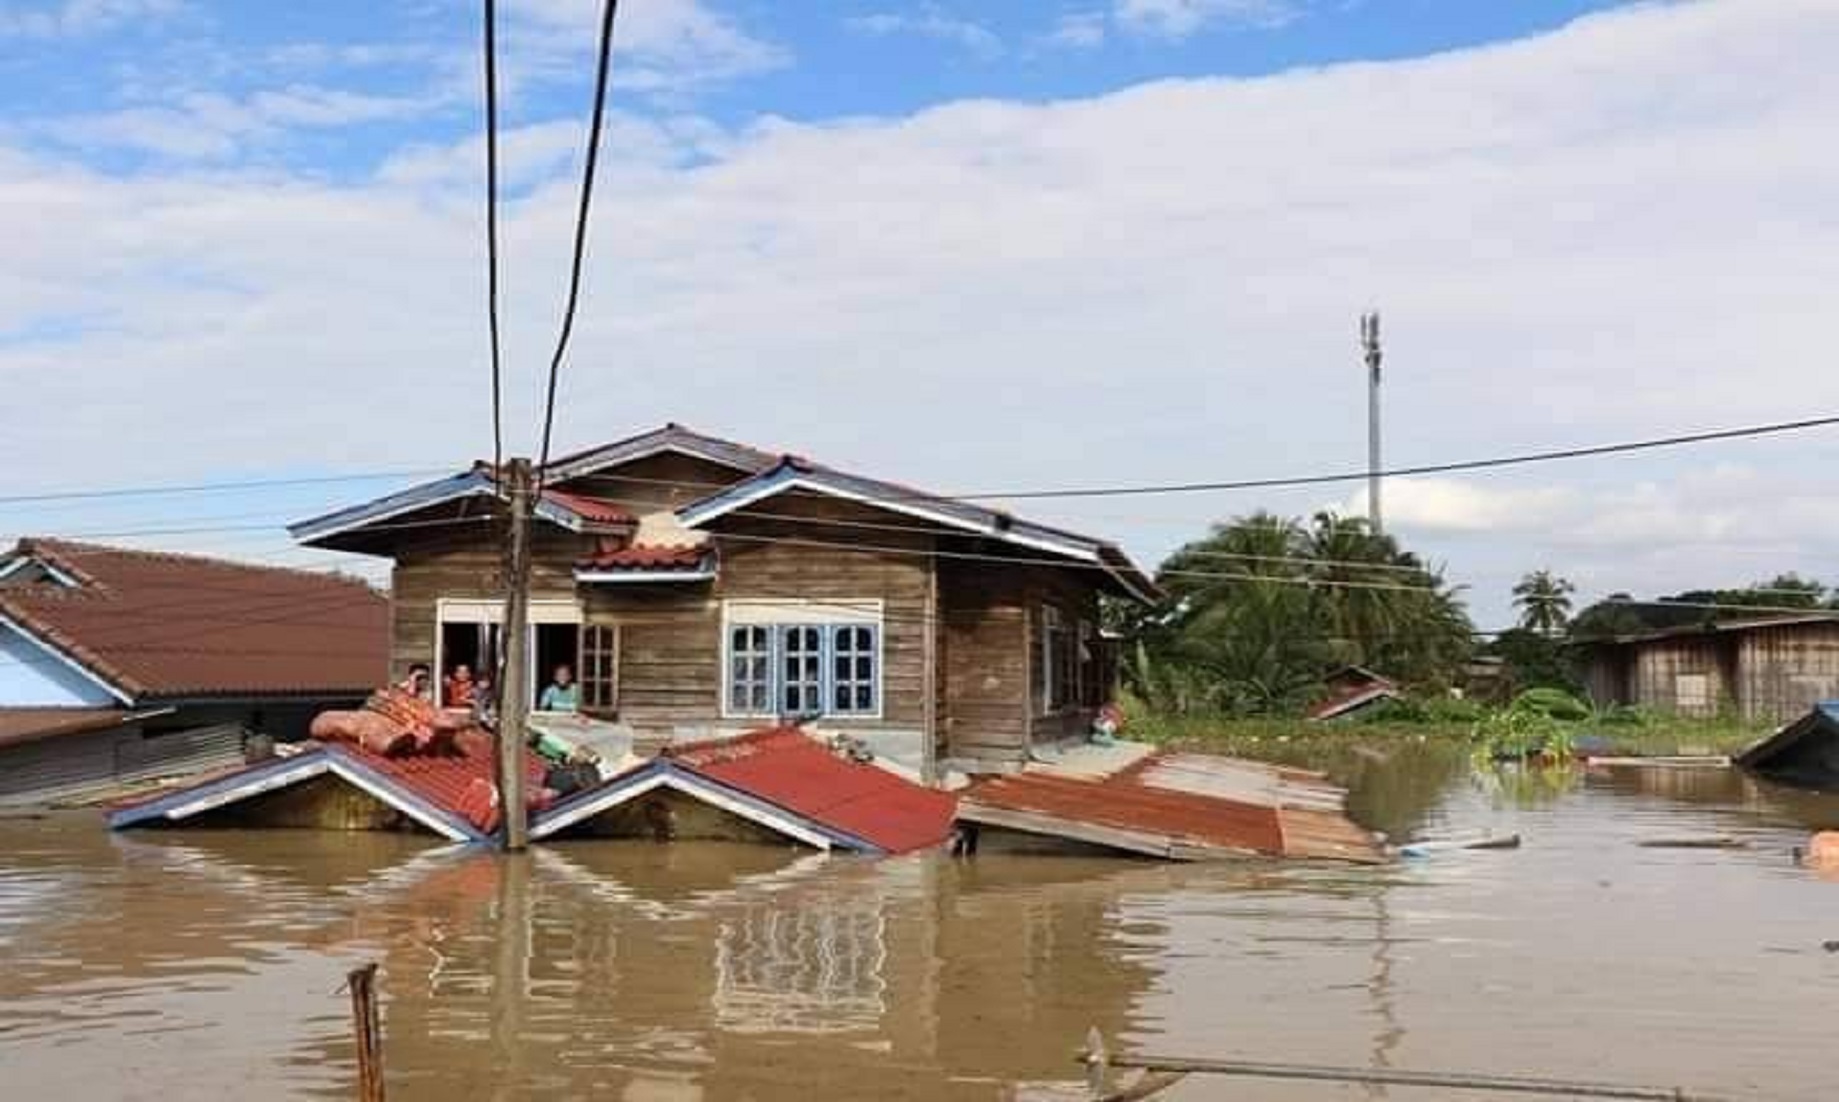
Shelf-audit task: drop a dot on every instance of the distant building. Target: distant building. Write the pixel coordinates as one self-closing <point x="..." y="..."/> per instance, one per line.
<point x="1352" y="689"/>
<point x="120" y="666"/>
<point x="1763" y="670"/>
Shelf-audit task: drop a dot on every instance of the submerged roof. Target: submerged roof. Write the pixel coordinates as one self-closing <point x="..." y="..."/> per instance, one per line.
<point x="786" y="781"/>
<point x="1805" y="752"/>
<point x="452" y="794"/>
<point x="148" y="624"/>
<point x="1180" y="806"/>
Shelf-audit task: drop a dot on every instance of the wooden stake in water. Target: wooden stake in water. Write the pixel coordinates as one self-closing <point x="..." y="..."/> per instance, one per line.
<point x="367" y="1027"/>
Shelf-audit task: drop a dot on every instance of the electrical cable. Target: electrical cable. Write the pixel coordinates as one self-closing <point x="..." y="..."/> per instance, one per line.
<point x="608" y="10"/>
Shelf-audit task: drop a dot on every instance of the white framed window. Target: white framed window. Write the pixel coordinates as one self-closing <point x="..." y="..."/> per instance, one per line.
<point x="750" y="670"/>
<point x="1692" y="693"/>
<point x="803" y="658"/>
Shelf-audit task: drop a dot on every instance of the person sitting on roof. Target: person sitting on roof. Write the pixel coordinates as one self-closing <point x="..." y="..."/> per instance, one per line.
<point x="458" y="691"/>
<point x="485" y="703"/>
<point x="561" y="694"/>
<point x="416" y="684"/>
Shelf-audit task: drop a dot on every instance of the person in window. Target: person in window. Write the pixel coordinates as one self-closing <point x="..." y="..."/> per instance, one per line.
<point x="485" y="703"/>
<point x="458" y="691"/>
<point x="561" y="694"/>
<point x="416" y="684"/>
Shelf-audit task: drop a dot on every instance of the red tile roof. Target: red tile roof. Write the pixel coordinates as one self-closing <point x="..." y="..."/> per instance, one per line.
<point x="452" y="781"/>
<point x="594" y="510"/>
<point x="646" y="558"/>
<point x="786" y="767"/>
<point x="155" y="624"/>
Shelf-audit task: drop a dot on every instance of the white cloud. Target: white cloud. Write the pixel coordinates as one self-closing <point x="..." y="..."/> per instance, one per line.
<point x="75" y="18"/>
<point x="1438" y="505"/>
<point x="659" y="45"/>
<point x="215" y="127"/>
<point x="931" y="22"/>
<point x="1613" y="231"/>
<point x="1181" y="18"/>
<point x="1079" y="30"/>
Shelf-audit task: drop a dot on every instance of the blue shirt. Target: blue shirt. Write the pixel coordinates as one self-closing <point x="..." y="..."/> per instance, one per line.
<point x="557" y="698"/>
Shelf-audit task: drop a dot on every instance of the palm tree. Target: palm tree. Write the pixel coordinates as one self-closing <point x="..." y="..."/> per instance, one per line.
<point x="1544" y="601"/>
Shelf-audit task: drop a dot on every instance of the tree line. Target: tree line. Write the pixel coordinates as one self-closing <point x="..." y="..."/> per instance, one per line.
<point x="1264" y="607"/>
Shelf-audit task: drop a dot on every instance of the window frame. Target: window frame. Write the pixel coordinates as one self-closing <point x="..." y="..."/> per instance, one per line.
<point x="828" y="618"/>
<point x="588" y="677"/>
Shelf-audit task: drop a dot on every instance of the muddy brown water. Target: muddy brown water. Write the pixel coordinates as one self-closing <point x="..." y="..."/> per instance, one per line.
<point x="180" y="965"/>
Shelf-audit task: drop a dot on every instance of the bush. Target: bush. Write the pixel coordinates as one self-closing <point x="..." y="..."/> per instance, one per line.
<point x="1552" y="704"/>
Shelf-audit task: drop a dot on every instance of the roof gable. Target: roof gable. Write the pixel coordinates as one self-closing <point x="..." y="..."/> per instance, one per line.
<point x="673" y="437"/>
<point x="794" y="474"/>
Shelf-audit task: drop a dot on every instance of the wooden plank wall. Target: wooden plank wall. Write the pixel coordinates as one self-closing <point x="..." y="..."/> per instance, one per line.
<point x="983" y="651"/>
<point x="468" y="566"/>
<point x="1784" y="671"/>
<point x="1659" y="665"/>
<point x="758" y="562"/>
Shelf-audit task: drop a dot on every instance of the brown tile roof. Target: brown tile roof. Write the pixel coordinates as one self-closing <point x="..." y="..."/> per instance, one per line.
<point x="155" y="624"/>
<point x="643" y="557"/>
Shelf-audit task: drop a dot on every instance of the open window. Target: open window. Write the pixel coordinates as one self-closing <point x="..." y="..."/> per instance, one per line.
<point x="470" y="633"/>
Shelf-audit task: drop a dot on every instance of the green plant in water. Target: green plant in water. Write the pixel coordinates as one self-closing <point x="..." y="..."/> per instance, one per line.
<point x="1528" y="729"/>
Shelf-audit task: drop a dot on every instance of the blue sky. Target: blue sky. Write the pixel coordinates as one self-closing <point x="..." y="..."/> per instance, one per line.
<point x="366" y="78"/>
<point x="969" y="246"/>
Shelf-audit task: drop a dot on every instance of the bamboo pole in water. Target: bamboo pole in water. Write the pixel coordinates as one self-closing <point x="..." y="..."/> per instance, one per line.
<point x="1098" y="1061"/>
<point x="366" y="1024"/>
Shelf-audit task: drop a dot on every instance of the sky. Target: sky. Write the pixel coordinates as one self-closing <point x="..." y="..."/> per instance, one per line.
<point x="977" y="247"/>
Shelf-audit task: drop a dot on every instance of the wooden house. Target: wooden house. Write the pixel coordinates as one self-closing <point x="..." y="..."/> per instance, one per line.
<point x="120" y="666"/>
<point x="698" y="588"/>
<point x="1771" y="669"/>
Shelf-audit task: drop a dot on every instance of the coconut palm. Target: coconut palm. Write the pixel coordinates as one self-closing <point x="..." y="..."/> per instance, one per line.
<point x="1544" y="601"/>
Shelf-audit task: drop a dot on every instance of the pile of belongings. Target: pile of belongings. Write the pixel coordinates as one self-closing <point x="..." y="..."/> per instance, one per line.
<point x="397" y="724"/>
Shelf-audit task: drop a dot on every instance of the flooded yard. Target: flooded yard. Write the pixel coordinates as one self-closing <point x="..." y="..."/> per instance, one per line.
<point x="197" y="964"/>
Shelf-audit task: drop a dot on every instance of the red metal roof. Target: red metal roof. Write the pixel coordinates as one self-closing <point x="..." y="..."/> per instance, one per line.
<point x="155" y="624"/>
<point x="784" y="766"/>
<point x="1168" y="802"/>
<point x="646" y="558"/>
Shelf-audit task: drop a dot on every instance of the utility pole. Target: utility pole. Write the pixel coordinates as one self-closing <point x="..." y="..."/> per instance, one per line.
<point x="1369" y="342"/>
<point x="514" y="703"/>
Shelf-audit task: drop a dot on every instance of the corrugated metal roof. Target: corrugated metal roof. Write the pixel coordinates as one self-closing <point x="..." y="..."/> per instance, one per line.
<point x="801" y="774"/>
<point x="162" y="625"/>
<point x="787" y="781"/>
<point x="1182" y="806"/>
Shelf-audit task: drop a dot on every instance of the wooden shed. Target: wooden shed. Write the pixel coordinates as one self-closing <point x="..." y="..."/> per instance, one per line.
<point x="1764" y="670"/>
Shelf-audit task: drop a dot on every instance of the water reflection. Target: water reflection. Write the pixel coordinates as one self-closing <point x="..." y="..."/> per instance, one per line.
<point x="188" y="964"/>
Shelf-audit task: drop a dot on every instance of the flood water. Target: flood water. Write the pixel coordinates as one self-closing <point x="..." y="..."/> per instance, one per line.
<point x="199" y="964"/>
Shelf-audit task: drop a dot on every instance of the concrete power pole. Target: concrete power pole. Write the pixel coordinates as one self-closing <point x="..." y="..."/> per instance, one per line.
<point x="1369" y="342"/>
<point x="514" y="633"/>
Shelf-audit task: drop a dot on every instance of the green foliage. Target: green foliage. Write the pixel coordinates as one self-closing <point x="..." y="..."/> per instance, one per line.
<point x="1544" y="601"/>
<point x="1535" y="661"/>
<point x="1620" y="615"/>
<point x="1551" y="703"/>
<point x="1422" y="709"/>
<point x="1263" y="607"/>
<point x="1526" y="730"/>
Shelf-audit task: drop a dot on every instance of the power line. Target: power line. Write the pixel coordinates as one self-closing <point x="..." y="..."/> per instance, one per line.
<point x="491" y="228"/>
<point x="607" y="12"/>
<point x="208" y="487"/>
<point x="1775" y="428"/>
